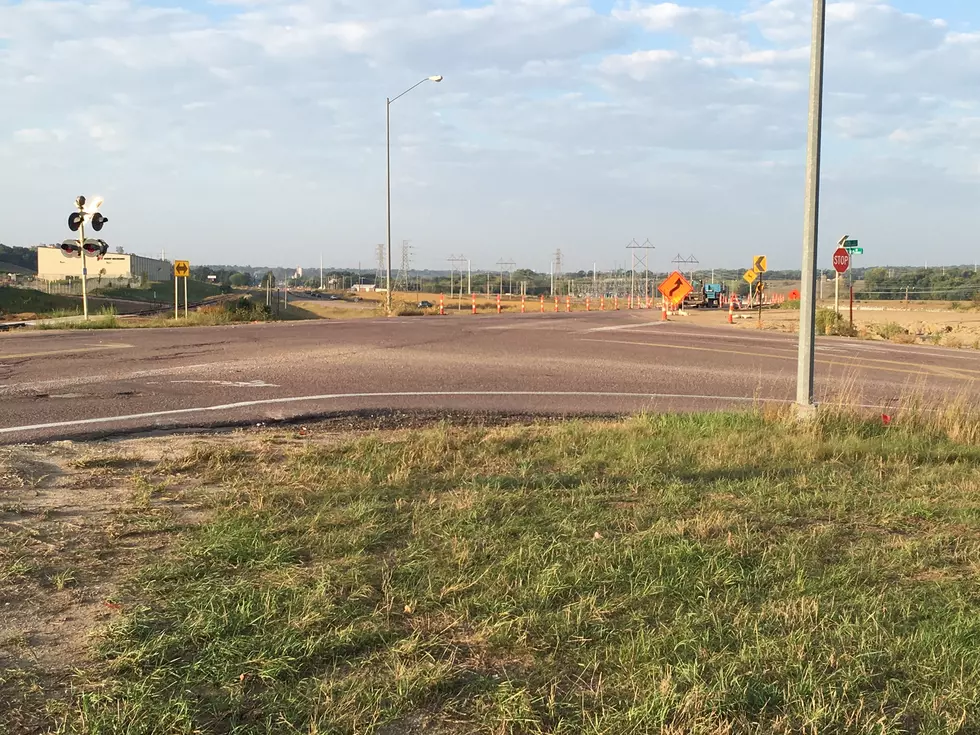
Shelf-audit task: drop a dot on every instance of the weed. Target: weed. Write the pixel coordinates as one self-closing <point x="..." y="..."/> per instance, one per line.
<point x="699" y="574"/>
<point x="63" y="579"/>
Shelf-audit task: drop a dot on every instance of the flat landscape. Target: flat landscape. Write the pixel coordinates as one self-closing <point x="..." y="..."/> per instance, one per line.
<point x="120" y="381"/>
<point x="538" y="523"/>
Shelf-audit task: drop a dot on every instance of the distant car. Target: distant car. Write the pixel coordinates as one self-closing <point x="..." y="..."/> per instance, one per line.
<point x="333" y="297"/>
<point x="426" y="305"/>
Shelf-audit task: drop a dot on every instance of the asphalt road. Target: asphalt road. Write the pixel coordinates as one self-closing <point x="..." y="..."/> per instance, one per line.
<point x="76" y="384"/>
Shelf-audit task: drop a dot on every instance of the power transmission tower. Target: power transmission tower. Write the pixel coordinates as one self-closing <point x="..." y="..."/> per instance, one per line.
<point x="402" y="281"/>
<point x="680" y="260"/>
<point x="379" y="274"/>
<point x="456" y="261"/>
<point x="506" y="264"/>
<point x="556" y="265"/>
<point x="643" y="260"/>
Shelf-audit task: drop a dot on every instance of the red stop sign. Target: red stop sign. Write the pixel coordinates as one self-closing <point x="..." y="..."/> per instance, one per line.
<point x="842" y="260"/>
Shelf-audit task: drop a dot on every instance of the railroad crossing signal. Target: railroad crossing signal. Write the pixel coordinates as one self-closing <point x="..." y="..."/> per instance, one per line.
<point x="87" y="212"/>
<point x="182" y="268"/>
<point x="760" y="264"/>
<point x="750" y="275"/>
<point x="675" y="287"/>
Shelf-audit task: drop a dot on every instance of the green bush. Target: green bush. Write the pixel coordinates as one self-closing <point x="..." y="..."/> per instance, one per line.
<point x="791" y="304"/>
<point x="887" y="331"/>
<point x="830" y="322"/>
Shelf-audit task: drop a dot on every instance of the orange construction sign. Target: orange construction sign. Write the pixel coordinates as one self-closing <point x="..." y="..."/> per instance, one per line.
<point x="675" y="287"/>
<point x="794" y="295"/>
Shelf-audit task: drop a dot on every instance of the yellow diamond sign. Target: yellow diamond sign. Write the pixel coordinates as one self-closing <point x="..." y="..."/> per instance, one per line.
<point x="750" y="276"/>
<point x="182" y="268"/>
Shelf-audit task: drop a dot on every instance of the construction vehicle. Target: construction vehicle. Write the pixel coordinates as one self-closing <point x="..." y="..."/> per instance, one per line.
<point x="712" y="294"/>
<point x="705" y="295"/>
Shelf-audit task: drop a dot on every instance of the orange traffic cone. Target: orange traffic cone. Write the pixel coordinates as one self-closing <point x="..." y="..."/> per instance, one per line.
<point x="731" y="311"/>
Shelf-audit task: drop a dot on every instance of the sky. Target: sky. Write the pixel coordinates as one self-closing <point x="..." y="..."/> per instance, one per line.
<point x="253" y="131"/>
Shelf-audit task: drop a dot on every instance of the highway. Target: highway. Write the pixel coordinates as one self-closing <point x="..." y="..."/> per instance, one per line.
<point x="82" y="384"/>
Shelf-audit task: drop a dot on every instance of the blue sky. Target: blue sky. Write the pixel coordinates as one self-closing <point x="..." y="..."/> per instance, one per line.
<point x="253" y="132"/>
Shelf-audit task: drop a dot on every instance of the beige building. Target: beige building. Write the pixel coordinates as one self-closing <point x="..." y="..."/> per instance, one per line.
<point x="54" y="265"/>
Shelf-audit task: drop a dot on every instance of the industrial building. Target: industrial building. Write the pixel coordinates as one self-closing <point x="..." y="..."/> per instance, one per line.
<point x="54" y="265"/>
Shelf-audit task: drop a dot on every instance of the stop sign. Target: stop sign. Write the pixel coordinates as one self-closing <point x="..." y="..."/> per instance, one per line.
<point x="842" y="260"/>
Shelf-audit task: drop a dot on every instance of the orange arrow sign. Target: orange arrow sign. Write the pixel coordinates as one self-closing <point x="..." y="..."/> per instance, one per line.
<point x="675" y="287"/>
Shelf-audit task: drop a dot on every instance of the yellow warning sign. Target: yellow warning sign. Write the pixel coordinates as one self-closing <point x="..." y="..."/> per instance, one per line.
<point x="182" y="268"/>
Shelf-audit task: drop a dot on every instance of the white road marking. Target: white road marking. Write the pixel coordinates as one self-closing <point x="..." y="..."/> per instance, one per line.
<point x="412" y="394"/>
<point x="232" y="383"/>
<point x="626" y="326"/>
<point x="85" y="379"/>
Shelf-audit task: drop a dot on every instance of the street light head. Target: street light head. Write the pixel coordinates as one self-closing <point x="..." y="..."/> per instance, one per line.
<point x="436" y="78"/>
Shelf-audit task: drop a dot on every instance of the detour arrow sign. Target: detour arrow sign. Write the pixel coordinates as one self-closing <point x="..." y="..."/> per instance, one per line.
<point x="675" y="287"/>
<point x="182" y="268"/>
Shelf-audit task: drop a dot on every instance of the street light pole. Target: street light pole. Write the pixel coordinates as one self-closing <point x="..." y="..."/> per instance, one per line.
<point x="388" y="207"/>
<point x="811" y="216"/>
<point x="388" y="101"/>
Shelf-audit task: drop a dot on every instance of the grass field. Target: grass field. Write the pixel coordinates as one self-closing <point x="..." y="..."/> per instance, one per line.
<point x="727" y="573"/>
<point x="162" y="292"/>
<point x="29" y="301"/>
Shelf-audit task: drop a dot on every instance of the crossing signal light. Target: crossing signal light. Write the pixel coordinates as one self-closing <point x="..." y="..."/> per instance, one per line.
<point x="96" y="248"/>
<point x="71" y="249"/>
<point x="75" y="220"/>
<point x="98" y="220"/>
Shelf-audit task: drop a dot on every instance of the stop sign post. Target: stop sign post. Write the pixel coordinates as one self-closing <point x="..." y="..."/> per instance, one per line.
<point x="842" y="261"/>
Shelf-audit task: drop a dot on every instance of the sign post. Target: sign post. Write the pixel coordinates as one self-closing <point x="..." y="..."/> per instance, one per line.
<point x="842" y="261"/>
<point x="182" y="269"/>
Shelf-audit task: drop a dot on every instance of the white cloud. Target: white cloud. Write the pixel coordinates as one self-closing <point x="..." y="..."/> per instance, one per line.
<point x="667" y="119"/>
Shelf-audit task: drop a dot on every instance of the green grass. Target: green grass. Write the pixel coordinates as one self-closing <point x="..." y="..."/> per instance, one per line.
<point x="30" y="301"/>
<point x="678" y="574"/>
<point x="162" y="292"/>
<point x="232" y="312"/>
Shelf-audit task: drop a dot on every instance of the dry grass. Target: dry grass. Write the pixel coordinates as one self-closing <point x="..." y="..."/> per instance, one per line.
<point x="677" y="574"/>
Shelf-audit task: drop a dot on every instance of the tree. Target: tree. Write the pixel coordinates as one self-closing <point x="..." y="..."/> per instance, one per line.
<point x="268" y="280"/>
<point x="241" y="280"/>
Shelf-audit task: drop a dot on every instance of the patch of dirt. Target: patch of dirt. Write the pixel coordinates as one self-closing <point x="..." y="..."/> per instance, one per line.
<point x="75" y="520"/>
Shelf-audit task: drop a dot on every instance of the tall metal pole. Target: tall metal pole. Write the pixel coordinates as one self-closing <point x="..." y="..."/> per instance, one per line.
<point x="811" y="215"/>
<point x="469" y="276"/>
<point x="388" y="195"/>
<point x="81" y="244"/>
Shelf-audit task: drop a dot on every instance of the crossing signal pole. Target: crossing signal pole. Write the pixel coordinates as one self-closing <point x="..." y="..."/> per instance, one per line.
<point x="87" y="211"/>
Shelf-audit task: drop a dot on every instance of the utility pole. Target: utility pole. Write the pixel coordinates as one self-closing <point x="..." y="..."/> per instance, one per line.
<point x="811" y="213"/>
<point x="321" y="271"/>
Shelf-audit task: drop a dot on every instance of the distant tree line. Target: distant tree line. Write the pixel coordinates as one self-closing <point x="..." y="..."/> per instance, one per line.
<point x="952" y="283"/>
<point x="21" y="257"/>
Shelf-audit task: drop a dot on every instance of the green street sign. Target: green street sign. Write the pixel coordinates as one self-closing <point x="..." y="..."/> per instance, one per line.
<point x="854" y="250"/>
